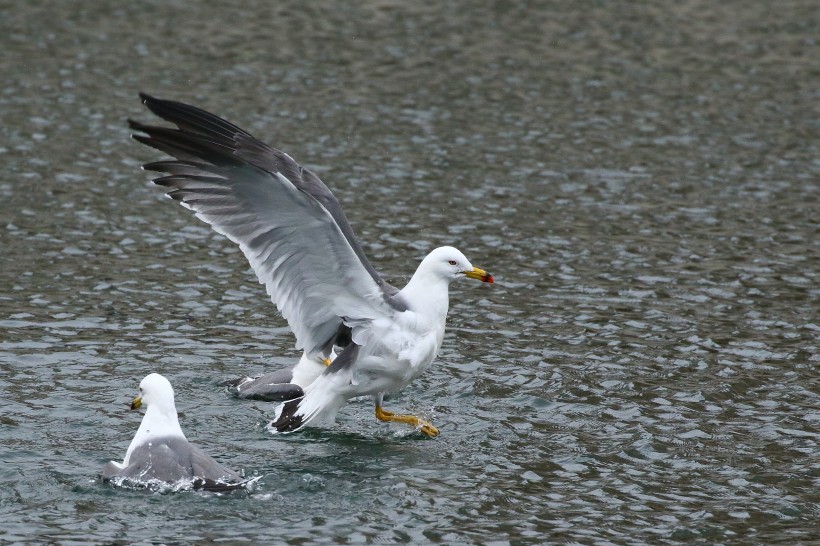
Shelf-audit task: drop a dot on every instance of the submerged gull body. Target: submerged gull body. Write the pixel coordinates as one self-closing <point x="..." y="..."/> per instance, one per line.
<point x="302" y="248"/>
<point x="160" y="452"/>
<point x="282" y="385"/>
<point x="288" y="383"/>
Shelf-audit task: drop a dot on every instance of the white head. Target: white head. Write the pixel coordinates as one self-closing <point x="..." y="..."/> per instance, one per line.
<point x="155" y="392"/>
<point x="449" y="263"/>
<point x="160" y="419"/>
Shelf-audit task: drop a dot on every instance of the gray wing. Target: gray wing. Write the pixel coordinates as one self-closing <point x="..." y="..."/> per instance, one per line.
<point x="285" y="220"/>
<point x="170" y="460"/>
<point x="272" y="387"/>
<point x="205" y="467"/>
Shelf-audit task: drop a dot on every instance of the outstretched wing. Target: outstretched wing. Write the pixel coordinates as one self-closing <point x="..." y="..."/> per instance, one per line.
<point x="285" y="220"/>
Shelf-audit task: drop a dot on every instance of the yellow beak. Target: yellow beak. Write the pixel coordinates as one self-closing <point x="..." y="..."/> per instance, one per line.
<point x="479" y="274"/>
<point x="136" y="403"/>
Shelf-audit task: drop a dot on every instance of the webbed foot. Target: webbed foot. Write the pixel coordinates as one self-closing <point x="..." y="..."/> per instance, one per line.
<point x="421" y="424"/>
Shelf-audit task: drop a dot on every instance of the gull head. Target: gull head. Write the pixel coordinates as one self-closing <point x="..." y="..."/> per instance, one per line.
<point x="156" y="392"/>
<point x="449" y="263"/>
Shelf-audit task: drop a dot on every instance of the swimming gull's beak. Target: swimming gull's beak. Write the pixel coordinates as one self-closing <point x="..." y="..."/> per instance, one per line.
<point x="136" y="403"/>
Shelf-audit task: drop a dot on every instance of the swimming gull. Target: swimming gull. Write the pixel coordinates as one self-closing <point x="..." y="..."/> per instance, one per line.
<point x="160" y="453"/>
<point x="302" y="248"/>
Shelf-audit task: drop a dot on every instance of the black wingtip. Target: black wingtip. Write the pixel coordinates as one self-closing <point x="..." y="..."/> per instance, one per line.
<point x="158" y="107"/>
<point x="215" y="486"/>
<point x="144" y="139"/>
<point x="162" y="107"/>
<point x="288" y="421"/>
<point x="136" y="126"/>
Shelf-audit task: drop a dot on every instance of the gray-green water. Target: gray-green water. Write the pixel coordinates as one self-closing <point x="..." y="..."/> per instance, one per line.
<point x="641" y="178"/>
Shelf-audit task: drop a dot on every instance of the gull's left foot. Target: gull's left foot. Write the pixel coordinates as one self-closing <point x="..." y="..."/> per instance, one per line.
<point x="421" y="424"/>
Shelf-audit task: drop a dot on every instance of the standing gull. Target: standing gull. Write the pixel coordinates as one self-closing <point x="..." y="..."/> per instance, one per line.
<point x="300" y="245"/>
<point x="160" y="452"/>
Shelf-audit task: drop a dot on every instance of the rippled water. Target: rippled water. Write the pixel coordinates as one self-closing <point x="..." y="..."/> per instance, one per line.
<point x="641" y="179"/>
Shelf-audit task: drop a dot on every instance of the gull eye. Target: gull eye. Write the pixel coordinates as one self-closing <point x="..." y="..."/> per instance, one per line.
<point x="452" y="262"/>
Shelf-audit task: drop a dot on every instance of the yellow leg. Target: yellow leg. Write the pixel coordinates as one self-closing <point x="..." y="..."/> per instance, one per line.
<point x="424" y="426"/>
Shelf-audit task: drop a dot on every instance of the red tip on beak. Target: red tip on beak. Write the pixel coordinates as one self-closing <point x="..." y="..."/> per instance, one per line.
<point x="480" y="274"/>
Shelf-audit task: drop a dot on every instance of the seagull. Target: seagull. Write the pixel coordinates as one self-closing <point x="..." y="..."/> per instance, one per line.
<point x="301" y="246"/>
<point x="160" y="452"/>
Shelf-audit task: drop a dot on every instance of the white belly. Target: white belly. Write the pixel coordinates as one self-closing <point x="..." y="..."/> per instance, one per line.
<point x="393" y="362"/>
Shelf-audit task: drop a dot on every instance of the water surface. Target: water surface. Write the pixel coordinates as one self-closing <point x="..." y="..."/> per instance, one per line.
<point x="641" y="179"/>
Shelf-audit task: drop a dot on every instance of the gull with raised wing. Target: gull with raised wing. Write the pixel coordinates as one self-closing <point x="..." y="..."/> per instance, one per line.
<point x="302" y="248"/>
